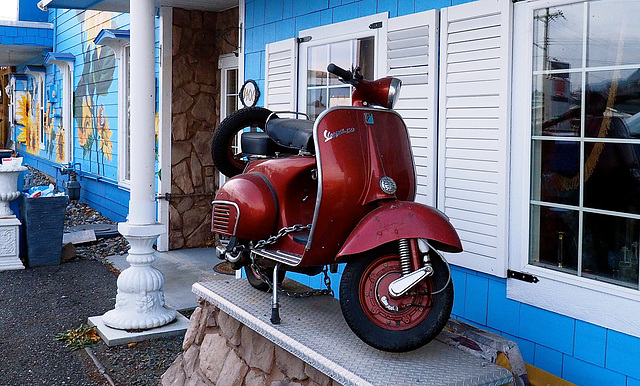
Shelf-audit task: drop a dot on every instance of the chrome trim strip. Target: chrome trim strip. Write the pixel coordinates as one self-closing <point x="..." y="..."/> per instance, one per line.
<point x="289" y="259"/>
<point x="235" y="227"/>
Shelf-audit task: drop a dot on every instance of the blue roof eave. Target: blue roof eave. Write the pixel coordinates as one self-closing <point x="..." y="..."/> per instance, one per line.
<point x="113" y="37"/>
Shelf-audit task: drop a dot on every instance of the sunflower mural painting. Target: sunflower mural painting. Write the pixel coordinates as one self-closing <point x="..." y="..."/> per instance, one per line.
<point x="27" y="118"/>
<point x="54" y="136"/>
<point x="94" y="132"/>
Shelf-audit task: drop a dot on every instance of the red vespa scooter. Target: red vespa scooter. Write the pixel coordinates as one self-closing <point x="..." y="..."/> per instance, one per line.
<point x="338" y="190"/>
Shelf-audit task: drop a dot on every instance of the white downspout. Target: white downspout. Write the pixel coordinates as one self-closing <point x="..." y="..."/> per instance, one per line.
<point x="140" y="299"/>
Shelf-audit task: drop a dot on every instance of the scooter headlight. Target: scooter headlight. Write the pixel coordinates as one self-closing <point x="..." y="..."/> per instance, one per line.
<point x="394" y="92"/>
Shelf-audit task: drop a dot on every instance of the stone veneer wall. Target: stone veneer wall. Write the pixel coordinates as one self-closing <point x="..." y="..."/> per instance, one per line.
<point x="197" y="45"/>
<point x="219" y="350"/>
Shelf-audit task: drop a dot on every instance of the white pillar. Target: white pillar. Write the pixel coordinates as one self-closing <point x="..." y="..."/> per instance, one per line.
<point x="140" y="299"/>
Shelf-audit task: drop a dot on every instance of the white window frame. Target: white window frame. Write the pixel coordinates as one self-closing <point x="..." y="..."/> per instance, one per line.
<point x="596" y="302"/>
<point x="124" y="149"/>
<point x="38" y="101"/>
<point x="343" y="31"/>
<point x="66" y="67"/>
<point x="227" y="63"/>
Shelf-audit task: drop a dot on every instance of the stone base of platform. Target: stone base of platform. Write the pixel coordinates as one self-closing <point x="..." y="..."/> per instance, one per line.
<point x="219" y="349"/>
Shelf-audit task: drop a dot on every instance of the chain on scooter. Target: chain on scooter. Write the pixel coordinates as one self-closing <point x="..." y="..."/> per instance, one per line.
<point x="293" y="294"/>
<point x="272" y="240"/>
<point x="281" y="233"/>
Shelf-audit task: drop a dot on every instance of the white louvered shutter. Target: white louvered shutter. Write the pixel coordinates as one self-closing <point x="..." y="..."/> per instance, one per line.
<point x="280" y="75"/>
<point x="412" y="56"/>
<point x="474" y="130"/>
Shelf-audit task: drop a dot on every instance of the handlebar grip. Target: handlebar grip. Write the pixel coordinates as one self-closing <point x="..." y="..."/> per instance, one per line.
<point x="341" y="72"/>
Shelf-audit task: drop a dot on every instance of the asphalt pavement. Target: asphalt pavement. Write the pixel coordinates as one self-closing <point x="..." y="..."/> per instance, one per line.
<point x="38" y="303"/>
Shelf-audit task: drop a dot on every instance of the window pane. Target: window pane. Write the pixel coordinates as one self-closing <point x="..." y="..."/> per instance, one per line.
<point x="556" y="104"/>
<point x="556" y="172"/>
<point x="317" y="66"/>
<point x="340" y="96"/>
<point x="612" y="180"/>
<point x="316" y="102"/>
<point x="340" y="55"/>
<point x="558" y="36"/>
<point x="613" y="93"/>
<point x="614" y="37"/>
<point x="365" y="57"/>
<point x="610" y="249"/>
<point x="232" y="80"/>
<point x="232" y="104"/>
<point x="554" y="238"/>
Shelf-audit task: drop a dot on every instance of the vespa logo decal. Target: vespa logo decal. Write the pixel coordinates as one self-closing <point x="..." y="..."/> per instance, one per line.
<point x="368" y="118"/>
<point x="328" y="136"/>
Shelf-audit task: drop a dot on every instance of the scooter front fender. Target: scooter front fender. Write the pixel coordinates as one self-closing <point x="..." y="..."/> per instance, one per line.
<point x="397" y="220"/>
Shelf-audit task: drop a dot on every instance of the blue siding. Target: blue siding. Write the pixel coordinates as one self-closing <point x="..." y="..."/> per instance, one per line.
<point x="623" y="353"/>
<point x="590" y="343"/>
<point x="577" y="351"/>
<point x="585" y="374"/>
<point x="548" y="359"/>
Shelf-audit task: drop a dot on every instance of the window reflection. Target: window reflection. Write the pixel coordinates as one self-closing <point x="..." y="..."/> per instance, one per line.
<point x="585" y="175"/>
<point x="614" y="37"/>
<point x="558" y="36"/>
<point x="326" y="90"/>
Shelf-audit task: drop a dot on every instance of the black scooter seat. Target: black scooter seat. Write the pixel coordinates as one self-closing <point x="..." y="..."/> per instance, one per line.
<point x="292" y="133"/>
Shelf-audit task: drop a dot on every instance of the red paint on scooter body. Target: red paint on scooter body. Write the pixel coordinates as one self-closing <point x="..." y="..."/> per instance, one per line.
<point x="356" y="147"/>
<point x="395" y="220"/>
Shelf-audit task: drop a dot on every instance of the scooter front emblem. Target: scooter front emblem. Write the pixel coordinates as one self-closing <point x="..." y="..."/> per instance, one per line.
<point x="368" y="118"/>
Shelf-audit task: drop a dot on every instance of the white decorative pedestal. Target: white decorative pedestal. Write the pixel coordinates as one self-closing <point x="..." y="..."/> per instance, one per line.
<point x="140" y="299"/>
<point x="9" y="224"/>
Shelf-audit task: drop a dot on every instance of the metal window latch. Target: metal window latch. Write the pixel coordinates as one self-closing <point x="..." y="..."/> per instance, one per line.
<point x="304" y="39"/>
<point x="375" y="25"/>
<point x="527" y="277"/>
<point x="166" y="196"/>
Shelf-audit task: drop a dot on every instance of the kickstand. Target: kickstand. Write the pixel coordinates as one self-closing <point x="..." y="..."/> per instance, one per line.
<point x="275" y="306"/>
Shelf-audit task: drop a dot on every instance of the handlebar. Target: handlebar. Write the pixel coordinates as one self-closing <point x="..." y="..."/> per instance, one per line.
<point x="341" y="72"/>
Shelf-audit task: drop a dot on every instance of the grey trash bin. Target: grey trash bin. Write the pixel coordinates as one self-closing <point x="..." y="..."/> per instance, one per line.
<point x="42" y="228"/>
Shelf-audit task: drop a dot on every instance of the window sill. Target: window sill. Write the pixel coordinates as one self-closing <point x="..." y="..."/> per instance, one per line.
<point x="599" y="303"/>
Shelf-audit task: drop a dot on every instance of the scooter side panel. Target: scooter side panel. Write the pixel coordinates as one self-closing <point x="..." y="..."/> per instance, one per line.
<point x="400" y="219"/>
<point x="256" y="207"/>
<point x="355" y="147"/>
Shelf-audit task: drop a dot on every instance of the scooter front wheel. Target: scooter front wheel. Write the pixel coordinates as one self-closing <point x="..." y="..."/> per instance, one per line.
<point x="394" y="324"/>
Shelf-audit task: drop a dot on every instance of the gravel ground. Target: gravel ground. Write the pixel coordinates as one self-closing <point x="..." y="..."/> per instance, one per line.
<point x="39" y="303"/>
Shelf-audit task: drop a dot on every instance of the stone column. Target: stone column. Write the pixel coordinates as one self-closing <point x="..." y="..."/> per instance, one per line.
<point x="140" y="299"/>
<point x="9" y="224"/>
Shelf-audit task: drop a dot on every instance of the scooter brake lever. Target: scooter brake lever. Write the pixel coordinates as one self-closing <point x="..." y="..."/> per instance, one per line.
<point x="357" y="74"/>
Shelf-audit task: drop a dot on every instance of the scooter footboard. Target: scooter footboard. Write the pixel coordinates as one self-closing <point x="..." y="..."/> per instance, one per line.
<point x="402" y="220"/>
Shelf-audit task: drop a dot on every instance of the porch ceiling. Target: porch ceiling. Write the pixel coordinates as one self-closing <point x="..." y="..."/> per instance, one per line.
<point x="123" y="5"/>
<point x="15" y="55"/>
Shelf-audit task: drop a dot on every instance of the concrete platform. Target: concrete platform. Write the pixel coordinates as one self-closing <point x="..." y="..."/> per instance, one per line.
<point x="314" y="330"/>
<point x="114" y="337"/>
<point x="181" y="269"/>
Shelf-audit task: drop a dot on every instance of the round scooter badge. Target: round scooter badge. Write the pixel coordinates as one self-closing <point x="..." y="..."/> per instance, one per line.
<point x="388" y="185"/>
<point x="249" y="93"/>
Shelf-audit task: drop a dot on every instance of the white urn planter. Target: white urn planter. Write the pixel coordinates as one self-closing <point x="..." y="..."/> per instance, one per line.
<point x="9" y="224"/>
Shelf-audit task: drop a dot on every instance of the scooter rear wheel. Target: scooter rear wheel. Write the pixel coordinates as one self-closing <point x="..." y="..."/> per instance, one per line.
<point x="387" y="323"/>
<point x="255" y="279"/>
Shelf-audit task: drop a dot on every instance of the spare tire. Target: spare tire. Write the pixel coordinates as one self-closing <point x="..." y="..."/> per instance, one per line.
<point x="224" y="156"/>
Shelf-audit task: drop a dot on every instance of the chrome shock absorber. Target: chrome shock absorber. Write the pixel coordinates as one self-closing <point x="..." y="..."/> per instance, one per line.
<point x="404" y="250"/>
